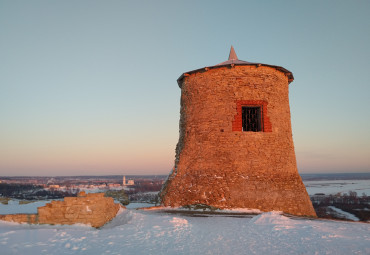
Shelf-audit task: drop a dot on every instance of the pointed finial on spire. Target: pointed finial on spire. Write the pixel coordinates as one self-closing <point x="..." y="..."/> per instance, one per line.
<point x="232" y="55"/>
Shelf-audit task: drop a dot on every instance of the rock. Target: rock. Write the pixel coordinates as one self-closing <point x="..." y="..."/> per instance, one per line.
<point x="93" y="209"/>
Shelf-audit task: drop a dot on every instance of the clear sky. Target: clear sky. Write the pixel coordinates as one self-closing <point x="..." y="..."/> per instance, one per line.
<point x="89" y="87"/>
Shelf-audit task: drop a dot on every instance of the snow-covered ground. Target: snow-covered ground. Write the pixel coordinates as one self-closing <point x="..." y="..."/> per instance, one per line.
<point x="138" y="205"/>
<point x="335" y="186"/>
<point x="150" y="232"/>
<point x="15" y="207"/>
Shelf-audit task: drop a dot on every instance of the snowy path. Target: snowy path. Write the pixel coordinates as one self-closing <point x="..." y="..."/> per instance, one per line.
<point x="145" y="232"/>
<point x="344" y="214"/>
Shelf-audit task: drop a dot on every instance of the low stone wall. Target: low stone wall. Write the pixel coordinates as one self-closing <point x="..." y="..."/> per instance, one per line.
<point x="92" y="208"/>
<point x="20" y="218"/>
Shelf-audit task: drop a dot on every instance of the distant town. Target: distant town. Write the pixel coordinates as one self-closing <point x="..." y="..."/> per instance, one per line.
<point x="145" y="188"/>
<point x="139" y="188"/>
<point x="85" y="182"/>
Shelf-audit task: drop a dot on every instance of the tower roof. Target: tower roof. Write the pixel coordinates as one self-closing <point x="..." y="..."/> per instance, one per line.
<point x="233" y="61"/>
<point x="232" y="54"/>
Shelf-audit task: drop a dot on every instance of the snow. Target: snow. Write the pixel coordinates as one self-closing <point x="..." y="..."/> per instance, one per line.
<point x="162" y="232"/>
<point x="138" y="205"/>
<point x="14" y="207"/>
<point x="243" y="210"/>
<point x="152" y="232"/>
<point x="335" y="186"/>
<point x="88" y="209"/>
<point x="274" y="218"/>
<point x="344" y="214"/>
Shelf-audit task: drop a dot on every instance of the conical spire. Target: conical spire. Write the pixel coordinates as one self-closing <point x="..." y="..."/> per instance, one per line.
<point x="232" y="55"/>
<point x="232" y="61"/>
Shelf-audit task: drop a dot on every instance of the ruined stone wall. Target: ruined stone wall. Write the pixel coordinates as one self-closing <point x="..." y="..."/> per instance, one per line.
<point x="218" y="164"/>
<point x="92" y="208"/>
<point x="20" y="218"/>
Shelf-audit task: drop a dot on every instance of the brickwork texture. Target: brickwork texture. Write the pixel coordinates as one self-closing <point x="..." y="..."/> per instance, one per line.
<point x="220" y="165"/>
<point x="93" y="209"/>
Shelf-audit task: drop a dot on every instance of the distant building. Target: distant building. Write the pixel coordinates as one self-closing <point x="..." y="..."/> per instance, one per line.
<point x="130" y="182"/>
<point x="114" y="185"/>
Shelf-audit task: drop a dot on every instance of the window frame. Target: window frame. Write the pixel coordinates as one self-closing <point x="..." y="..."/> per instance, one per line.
<point x="259" y="117"/>
<point x="237" y="122"/>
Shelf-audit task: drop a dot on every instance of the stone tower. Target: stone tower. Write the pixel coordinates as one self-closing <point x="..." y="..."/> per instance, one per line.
<point x="235" y="148"/>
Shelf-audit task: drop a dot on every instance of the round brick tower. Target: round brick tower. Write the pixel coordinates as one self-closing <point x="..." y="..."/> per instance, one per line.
<point x="235" y="148"/>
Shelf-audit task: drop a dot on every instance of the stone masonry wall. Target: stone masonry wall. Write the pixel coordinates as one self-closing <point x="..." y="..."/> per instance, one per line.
<point x="92" y="208"/>
<point x="218" y="164"/>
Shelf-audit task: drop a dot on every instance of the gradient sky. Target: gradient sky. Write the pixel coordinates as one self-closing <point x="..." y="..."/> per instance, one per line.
<point x="89" y="87"/>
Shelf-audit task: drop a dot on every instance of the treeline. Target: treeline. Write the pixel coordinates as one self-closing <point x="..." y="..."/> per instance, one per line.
<point x="144" y="191"/>
<point x="33" y="192"/>
<point x="146" y="186"/>
<point x="351" y="203"/>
